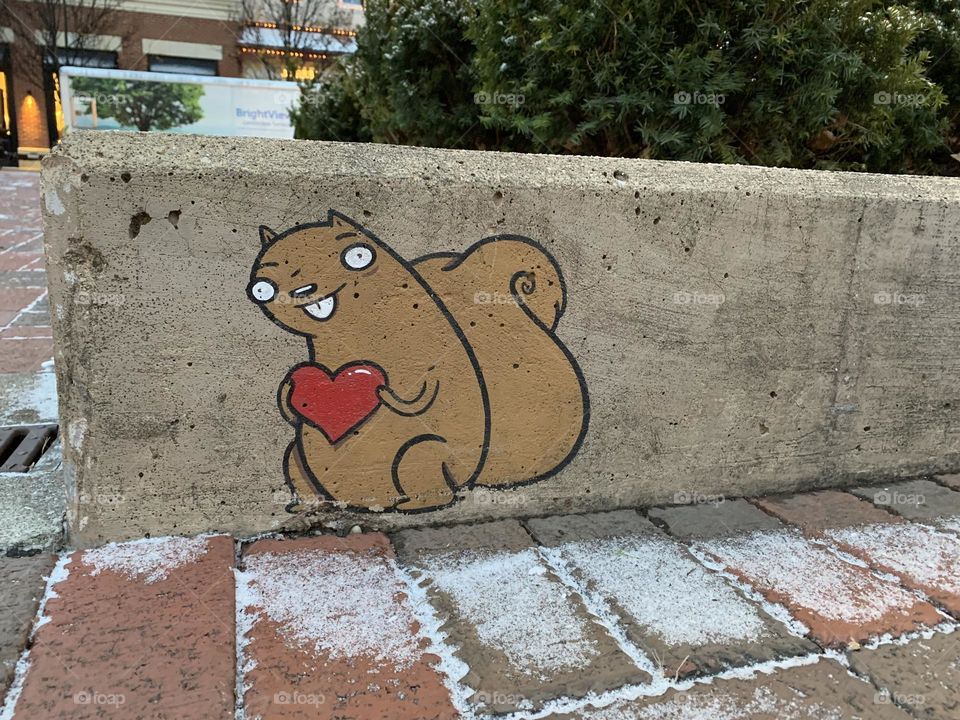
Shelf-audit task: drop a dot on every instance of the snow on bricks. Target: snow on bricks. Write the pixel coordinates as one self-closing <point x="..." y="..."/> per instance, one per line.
<point x="687" y="619"/>
<point x="840" y="602"/>
<point x="820" y="691"/>
<point x="136" y="630"/>
<point x="924" y="558"/>
<point x="327" y="631"/>
<point x="524" y="635"/>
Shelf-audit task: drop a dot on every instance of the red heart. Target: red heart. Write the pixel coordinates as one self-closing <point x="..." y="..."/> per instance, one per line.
<point x="335" y="403"/>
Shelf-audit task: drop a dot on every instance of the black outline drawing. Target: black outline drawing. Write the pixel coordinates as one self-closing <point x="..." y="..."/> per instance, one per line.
<point x="521" y="283"/>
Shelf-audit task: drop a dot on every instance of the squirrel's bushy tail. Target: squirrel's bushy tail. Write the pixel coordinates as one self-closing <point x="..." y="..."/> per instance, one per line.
<point x="507" y="294"/>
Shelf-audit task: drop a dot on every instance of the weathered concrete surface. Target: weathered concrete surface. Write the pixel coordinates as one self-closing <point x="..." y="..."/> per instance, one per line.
<point x="688" y="620"/>
<point x="22" y="582"/>
<point x="922" y="676"/>
<point x="523" y="635"/>
<point x="32" y="506"/>
<point x="741" y="330"/>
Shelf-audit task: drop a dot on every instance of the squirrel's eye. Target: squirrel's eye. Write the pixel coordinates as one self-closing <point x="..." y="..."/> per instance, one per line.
<point x="263" y="291"/>
<point x="358" y="257"/>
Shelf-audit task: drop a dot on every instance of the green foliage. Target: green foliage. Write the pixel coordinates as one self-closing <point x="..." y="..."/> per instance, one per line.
<point x="143" y="105"/>
<point x="832" y="84"/>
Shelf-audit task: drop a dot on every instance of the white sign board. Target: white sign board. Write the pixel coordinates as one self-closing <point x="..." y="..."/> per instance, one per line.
<point x="97" y="99"/>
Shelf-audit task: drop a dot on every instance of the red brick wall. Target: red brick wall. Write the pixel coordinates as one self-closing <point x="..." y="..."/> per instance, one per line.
<point x="31" y="114"/>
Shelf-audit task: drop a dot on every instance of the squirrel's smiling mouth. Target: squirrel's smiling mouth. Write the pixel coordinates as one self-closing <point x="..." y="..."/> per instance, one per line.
<point x="323" y="308"/>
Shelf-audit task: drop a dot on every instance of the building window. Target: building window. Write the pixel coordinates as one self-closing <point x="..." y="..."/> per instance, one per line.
<point x="181" y="65"/>
<point x="87" y="58"/>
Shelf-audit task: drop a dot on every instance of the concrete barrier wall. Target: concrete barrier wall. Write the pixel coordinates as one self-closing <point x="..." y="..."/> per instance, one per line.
<point x="636" y="332"/>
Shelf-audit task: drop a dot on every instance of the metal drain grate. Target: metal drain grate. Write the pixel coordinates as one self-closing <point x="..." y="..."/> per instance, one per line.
<point x="21" y="446"/>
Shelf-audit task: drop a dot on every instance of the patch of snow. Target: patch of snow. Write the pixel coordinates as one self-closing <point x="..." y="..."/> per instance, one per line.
<point x="775" y="610"/>
<point x="809" y="575"/>
<point x="57" y="575"/>
<point x="451" y="668"/>
<point x="341" y="605"/>
<point x="920" y="552"/>
<point x="245" y="619"/>
<point x="516" y="608"/>
<point x="763" y="702"/>
<point x="28" y="398"/>
<point x="950" y="523"/>
<point x="581" y="707"/>
<point x="598" y="606"/>
<point x="666" y="591"/>
<point x="150" y="559"/>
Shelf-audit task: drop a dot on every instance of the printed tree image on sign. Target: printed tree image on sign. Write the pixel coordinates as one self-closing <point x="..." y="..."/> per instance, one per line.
<point x="422" y="377"/>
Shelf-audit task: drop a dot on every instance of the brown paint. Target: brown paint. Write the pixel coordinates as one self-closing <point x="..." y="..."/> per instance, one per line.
<point x="478" y="389"/>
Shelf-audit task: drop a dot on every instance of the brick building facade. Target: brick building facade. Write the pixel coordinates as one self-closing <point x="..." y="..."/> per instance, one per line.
<point x="206" y="37"/>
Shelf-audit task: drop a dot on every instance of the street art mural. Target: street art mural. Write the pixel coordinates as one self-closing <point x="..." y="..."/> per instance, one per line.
<point x="422" y="377"/>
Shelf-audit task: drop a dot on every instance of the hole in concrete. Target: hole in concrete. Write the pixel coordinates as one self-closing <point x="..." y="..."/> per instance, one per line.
<point x="137" y="222"/>
<point x="21" y="446"/>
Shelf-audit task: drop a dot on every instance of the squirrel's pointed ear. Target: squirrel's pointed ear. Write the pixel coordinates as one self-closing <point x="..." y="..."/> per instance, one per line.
<point x="339" y="220"/>
<point x="266" y="235"/>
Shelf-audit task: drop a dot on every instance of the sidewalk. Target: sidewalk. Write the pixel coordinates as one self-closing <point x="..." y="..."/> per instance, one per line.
<point x="816" y="606"/>
<point x="835" y="604"/>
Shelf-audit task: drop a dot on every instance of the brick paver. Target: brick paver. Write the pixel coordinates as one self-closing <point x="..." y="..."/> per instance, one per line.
<point x="923" y="558"/>
<point x="917" y="500"/>
<point x="922" y="675"/>
<point x="823" y="691"/>
<point x="840" y="602"/>
<point x="331" y="634"/>
<point x="22" y="582"/>
<point x="25" y="334"/>
<point x="684" y="617"/>
<point x="951" y="481"/>
<point x="525" y="637"/>
<point x="137" y="630"/>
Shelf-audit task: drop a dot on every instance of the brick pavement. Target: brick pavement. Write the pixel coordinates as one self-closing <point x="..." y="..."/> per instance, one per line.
<point x="26" y="342"/>
<point x="668" y="613"/>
